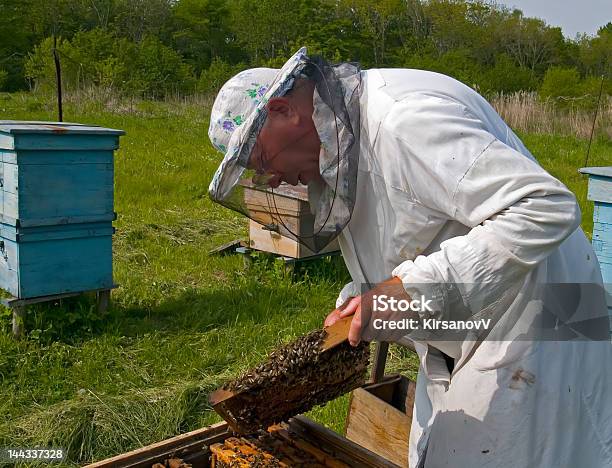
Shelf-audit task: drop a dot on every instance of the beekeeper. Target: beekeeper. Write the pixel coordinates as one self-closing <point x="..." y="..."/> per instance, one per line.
<point x="425" y="186"/>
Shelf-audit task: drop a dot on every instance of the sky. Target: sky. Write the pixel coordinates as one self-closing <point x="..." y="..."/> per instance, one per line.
<point x="574" y="16"/>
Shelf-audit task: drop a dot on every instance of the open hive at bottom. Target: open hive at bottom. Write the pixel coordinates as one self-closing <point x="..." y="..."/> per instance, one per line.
<point x="278" y="447"/>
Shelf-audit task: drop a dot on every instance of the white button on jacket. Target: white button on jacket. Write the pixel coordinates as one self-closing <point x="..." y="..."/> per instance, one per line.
<point x="452" y="202"/>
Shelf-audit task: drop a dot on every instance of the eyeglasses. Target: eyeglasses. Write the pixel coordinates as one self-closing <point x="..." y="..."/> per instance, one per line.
<point x="262" y="175"/>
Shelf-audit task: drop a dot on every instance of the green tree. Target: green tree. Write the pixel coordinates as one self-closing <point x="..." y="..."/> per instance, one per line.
<point x="596" y="52"/>
<point x="217" y="74"/>
<point x="265" y="28"/>
<point x="157" y="70"/>
<point x="200" y="32"/>
<point x="530" y="42"/>
<point x="135" y="19"/>
<point x="378" y="20"/>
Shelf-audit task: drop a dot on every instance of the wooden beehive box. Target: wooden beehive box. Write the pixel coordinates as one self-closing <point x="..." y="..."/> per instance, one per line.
<point x="600" y="192"/>
<point x="195" y="448"/>
<point x="380" y="417"/>
<point x="56" y="207"/>
<point x="47" y="260"/>
<point x="286" y="205"/>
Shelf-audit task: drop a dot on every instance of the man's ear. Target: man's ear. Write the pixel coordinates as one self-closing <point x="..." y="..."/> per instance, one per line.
<point x="280" y="107"/>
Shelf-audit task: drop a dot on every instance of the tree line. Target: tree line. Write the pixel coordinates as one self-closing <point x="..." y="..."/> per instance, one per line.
<point x="151" y="48"/>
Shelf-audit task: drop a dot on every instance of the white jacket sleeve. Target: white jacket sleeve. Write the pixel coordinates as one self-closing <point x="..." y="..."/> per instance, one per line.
<point x="348" y="291"/>
<point x="518" y="213"/>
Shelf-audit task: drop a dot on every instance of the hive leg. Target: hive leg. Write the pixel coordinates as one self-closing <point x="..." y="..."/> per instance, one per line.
<point x="103" y="300"/>
<point x="19" y="321"/>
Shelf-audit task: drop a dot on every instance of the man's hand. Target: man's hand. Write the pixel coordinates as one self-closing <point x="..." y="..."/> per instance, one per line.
<point x="335" y="314"/>
<point x="361" y="307"/>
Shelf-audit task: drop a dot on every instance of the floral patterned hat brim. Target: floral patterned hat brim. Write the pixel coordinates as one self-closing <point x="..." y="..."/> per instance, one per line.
<point x="245" y="128"/>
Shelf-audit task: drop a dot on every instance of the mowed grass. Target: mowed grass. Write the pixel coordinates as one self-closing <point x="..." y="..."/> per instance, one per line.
<point x="182" y="322"/>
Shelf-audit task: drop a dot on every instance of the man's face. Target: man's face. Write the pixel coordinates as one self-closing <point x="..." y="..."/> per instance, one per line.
<point x="288" y="145"/>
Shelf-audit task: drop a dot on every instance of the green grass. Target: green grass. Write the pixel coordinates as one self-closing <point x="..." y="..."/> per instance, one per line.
<point x="181" y="322"/>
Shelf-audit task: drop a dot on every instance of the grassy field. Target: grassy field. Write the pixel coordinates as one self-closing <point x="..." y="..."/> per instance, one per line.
<point x="181" y="322"/>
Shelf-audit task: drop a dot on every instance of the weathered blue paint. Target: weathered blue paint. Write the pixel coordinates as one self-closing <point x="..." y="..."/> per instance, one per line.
<point x="69" y="175"/>
<point x="33" y="192"/>
<point x="602" y="213"/>
<point x="56" y="207"/>
<point x="46" y="260"/>
<point x="57" y="136"/>
<point x="600" y="192"/>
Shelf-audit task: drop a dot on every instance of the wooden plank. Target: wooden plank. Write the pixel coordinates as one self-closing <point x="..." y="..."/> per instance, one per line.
<point x="228" y="247"/>
<point x="1" y="186"/>
<point x="273" y="203"/>
<point x="191" y="443"/>
<point x="340" y="447"/>
<point x="602" y="212"/>
<point x="380" y="360"/>
<point x="283" y="221"/>
<point x="62" y="266"/>
<point x="57" y="220"/>
<point x="14" y="127"/>
<point x="337" y="333"/>
<point x="64" y="142"/>
<point x="600" y="189"/>
<point x="605" y="171"/>
<point x="39" y="235"/>
<point x="273" y="242"/>
<point x="603" y="250"/>
<point x="56" y="190"/>
<point x="46" y="157"/>
<point x="603" y="230"/>
<point x="192" y="447"/>
<point x="379" y="427"/>
<point x="299" y="192"/>
<point x="270" y="241"/>
<point x="9" y="267"/>
<point x="321" y="456"/>
<point x="7" y="141"/>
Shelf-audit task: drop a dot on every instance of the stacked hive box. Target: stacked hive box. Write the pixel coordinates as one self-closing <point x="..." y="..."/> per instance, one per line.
<point x="600" y="192"/>
<point x="284" y="207"/>
<point x="56" y="207"/>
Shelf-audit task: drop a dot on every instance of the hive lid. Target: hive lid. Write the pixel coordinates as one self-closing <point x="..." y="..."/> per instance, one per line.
<point x="604" y="171"/>
<point x="299" y="192"/>
<point x="14" y="127"/>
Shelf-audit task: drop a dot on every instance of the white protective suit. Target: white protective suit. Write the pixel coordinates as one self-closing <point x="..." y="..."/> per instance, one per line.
<point x="448" y="194"/>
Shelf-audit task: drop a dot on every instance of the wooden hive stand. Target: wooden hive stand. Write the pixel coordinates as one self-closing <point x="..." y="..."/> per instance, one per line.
<point x="19" y="306"/>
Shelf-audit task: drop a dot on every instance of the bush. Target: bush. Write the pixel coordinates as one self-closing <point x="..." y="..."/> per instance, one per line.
<point x="99" y="58"/>
<point x="214" y="77"/>
<point x="507" y="77"/>
<point x="90" y="58"/>
<point x="561" y="83"/>
<point x="157" y="70"/>
<point x="565" y="86"/>
<point x="456" y="63"/>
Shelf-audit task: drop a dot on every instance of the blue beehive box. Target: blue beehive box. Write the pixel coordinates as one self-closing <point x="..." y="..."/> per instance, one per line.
<point x="56" y="207"/>
<point x="600" y="192"/>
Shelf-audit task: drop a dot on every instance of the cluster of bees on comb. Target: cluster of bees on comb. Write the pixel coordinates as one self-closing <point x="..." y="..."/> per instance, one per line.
<point x="295" y="378"/>
<point x="277" y="448"/>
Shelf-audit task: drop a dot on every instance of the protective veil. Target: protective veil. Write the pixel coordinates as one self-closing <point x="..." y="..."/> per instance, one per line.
<point x="238" y="115"/>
